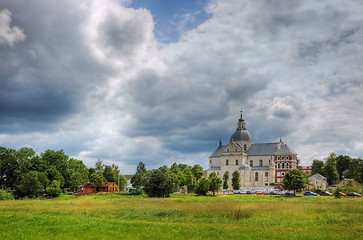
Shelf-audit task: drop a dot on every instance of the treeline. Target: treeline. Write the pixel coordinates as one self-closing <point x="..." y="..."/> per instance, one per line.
<point x="163" y="181"/>
<point x="335" y="168"/>
<point x="24" y="173"/>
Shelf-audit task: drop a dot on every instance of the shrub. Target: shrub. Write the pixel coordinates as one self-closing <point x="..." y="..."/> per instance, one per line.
<point x="337" y="193"/>
<point x="202" y="187"/>
<point x="6" y="195"/>
<point x="318" y="190"/>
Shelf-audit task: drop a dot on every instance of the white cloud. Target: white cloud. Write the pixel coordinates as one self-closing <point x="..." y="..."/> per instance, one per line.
<point x="9" y="35"/>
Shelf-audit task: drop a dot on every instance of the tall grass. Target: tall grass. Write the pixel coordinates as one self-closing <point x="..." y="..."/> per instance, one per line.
<point x="183" y="216"/>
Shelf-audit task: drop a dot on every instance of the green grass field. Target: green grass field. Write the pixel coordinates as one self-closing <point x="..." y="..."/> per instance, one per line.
<point x="182" y="216"/>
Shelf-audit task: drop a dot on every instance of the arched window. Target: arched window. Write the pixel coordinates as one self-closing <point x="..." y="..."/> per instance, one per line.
<point x="266" y="174"/>
<point x="278" y="165"/>
<point x="236" y="161"/>
<point x="287" y="165"/>
<point x="260" y="163"/>
<point x="227" y="162"/>
<point x="283" y="165"/>
<point x="282" y="158"/>
<point x="256" y="176"/>
<point x="278" y="158"/>
<point x="245" y="147"/>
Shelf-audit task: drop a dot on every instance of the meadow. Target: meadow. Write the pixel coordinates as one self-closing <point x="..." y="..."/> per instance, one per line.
<point x="182" y="216"/>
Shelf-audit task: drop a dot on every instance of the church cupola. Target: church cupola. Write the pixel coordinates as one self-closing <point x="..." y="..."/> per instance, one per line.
<point x="241" y="136"/>
<point x="241" y="125"/>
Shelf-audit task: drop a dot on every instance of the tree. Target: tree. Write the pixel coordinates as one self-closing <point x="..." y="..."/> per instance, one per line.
<point x="98" y="179"/>
<point x="343" y="163"/>
<point x="197" y="171"/>
<point x="202" y="187"/>
<point x="181" y="179"/>
<point x="189" y="177"/>
<point x="76" y="180"/>
<point x="215" y="183"/>
<point x="294" y="179"/>
<point x="136" y="179"/>
<point x="174" y="168"/>
<point x="109" y="174"/>
<point x="122" y="182"/>
<point x="316" y="167"/>
<point x="9" y="169"/>
<point x="159" y="182"/>
<point x="30" y="185"/>
<point x="355" y="170"/>
<point x="43" y="180"/>
<point x="330" y="169"/>
<point x="54" y="189"/>
<point x="99" y="166"/>
<point x="182" y="166"/>
<point x="225" y="180"/>
<point x="236" y="181"/>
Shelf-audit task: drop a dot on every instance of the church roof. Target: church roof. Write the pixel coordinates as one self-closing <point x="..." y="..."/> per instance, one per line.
<point x="241" y="135"/>
<point x="214" y="168"/>
<point x="285" y="150"/>
<point x="217" y="152"/>
<point x="258" y="149"/>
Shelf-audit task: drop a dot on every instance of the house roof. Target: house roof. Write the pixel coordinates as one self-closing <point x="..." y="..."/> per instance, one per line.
<point x="108" y="184"/>
<point x="317" y="176"/>
<point x="262" y="149"/>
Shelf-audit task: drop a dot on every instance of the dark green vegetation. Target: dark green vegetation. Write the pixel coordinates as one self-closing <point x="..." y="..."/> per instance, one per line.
<point x="336" y="168"/>
<point x="182" y="216"/>
<point x="294" y="179"/>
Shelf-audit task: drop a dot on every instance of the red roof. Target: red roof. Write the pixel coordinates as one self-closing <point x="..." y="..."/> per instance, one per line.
<point x="306" y="167"/>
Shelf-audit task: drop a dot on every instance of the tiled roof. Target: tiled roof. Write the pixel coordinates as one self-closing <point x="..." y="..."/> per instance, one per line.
<point x="262" y="149"/>
<point x="317" y="176"/>
<point x="285" y="150"/>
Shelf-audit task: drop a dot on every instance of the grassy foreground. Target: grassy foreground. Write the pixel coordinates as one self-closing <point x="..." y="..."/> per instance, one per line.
<point x="182" y="216"/>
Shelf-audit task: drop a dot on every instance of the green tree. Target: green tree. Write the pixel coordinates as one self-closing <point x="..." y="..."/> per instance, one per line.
<point x="225" y="180"/>
<point x="330" y="169"/>
<point x="294" y="179"/>
<point x="9" y="168"/>
<point x="122" y="182"/>
<point x="355" y="170"/>
<point x="54" y="189"/>
<point x="181" y="179"/>
<point x="236" y="180"/>
<point x="215" y="183"/>
<point x="30" y="185"/>
<point x="109" y="174"/>
<point x="316" y="167"/>
<point x="182" y="166"/>
<point x="343" y="163"/>
<point x="202" y="187"/>
<point x="59" y="161"/>
<point x="76" y="180"/>
<point x="136" y="179"/>
<point x="174" y="168"/>
<point x="197" y="171"/>
<point x="98" y="179"/>
<point x="99" y="166"/>
<point x="159" y="182"/>
<point x="43" y="180"/>
<point x="189" y="177"/>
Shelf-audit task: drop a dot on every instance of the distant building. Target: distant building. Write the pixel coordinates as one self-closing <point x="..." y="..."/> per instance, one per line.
<point x="318" y="181"/>
<point x="258" y="164"/>
<point x="306" y="169"/>
<point x="92" y="188"/>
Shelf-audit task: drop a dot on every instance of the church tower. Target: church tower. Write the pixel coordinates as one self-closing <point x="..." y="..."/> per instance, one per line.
<point x="242" y="136"/>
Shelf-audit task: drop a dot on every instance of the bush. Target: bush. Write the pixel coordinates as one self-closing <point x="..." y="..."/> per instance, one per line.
<point x="203" y="187"/>
<point x="337" y="193"/>
<point x="54" y="189"/>
<point x="6" y="195"/>
<point x="349" y="187"/>
<point x="318" y="190"/>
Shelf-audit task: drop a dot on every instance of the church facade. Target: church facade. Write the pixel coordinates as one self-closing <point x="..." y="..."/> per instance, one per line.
<point x="259" y="164"/>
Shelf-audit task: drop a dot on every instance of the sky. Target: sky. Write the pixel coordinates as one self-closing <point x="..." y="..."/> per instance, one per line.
<point x="162" y="81"/>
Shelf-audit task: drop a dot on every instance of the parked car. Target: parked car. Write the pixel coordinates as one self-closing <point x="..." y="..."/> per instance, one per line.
<point x="237" y="192"/>
<point x="243" y="192"/>
<point x="260" y="192"/>
<point x="354" y="194"/>
<point x="343" y="194"/>
<point x="252" y="191"/>
<point x="275" y="192"/>
<point x="326" y="193"/>
<point x="310" y="194"/>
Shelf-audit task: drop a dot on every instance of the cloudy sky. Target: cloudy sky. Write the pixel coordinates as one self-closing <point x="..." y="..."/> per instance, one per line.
<point x="162" y="81"/>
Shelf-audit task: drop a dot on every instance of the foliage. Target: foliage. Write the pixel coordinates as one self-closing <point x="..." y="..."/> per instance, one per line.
<point x="294" y="179"/>
<point x="197" y="171"/>
<point x="202" y="187"/>
<point x="98" y="179"/>
<point x="236" y="181"/>
<point x="342" y="163"/>
<point x="54" y="189"/>
<point x="349" y="187"/>
<point x="6" y="195"/>
<point x="337" y="192"/>
<point x="355" y="170"/>
<point x="318" y="190"/>
<point x="215" y="182"/>
<point x="330" y="169"/>
<point x="316" y="167"/>
<point x="122" y="182"/>
<point x="225" y="180"/>
<point x="30" y="185"/>
<point x="160" y="182"/>
<point x="189" y="177"/>
<point x="136" y="179"/>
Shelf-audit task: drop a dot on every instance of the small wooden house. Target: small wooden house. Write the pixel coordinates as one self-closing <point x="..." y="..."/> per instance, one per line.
<point x="87" y="188"/>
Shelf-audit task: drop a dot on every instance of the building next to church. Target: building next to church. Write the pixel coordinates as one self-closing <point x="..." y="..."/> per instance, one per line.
<point x="259" y="164"/>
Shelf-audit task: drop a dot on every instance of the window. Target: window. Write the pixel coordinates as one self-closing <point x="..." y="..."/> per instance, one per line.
<point x="217" y="173"/>
<point x="283" y="165"/>
<point x="236" y="161"/>
<point x="256" y="176"/>
<point x="287" y="165"/>
<point x="227" y="162"/>
<point x="251" y="163"/>
<point x="282" y="174"/>
<point x="282" y="158"/>
<point x="278" y="174"/>
<point x="269" y="161"/>
<point x="278" y="158"/>
<point x="227" y="150"/>
<point x="287" y="157"/>
<point x="260" y="163"/>
<point x="245" y="147"/>
<point x="266" y="174"/>
<point x="210" y="161"/>
<point x="278" y="165"/>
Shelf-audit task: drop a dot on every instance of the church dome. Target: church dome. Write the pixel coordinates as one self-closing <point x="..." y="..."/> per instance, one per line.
<point x="241" y="135"/>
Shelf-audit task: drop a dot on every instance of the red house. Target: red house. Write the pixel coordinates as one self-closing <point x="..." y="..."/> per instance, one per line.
<point x="92" y="188"/>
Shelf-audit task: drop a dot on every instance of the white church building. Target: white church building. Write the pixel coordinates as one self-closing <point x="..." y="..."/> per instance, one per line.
<point x="259" y="164"/>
